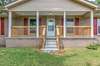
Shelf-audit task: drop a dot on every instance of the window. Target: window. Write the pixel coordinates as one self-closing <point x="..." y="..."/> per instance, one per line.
<point x="69" y="25"/>
<point x="32" y="24"/>
<point x="69" y="22"/>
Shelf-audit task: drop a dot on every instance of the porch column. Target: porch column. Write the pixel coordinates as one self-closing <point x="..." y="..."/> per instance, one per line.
<point x="37" y="21"/>
<point x="9" y="23"/>
<point x="64" y="24"/>
<point x="92" y="28"/>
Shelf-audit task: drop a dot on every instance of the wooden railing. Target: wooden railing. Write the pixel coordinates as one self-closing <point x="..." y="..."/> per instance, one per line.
<point x="59" y="45"/>
<point x="75" y="30"/>
<point x="78" y="30"/>
<point x="42" y="38"/>
<point x="23" y="31"/>
<point x="60" y="30"/>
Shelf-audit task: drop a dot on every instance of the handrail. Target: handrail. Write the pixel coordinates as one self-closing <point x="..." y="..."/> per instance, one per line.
<point x="44" y="33"/>
<point x="79" y="26"/>
<point x="42" y="40"/>
<point x="23" y="27"/>
<point x="74" y="26"/>
<point x="58" y="38"/>
<point x="58" y="31"/>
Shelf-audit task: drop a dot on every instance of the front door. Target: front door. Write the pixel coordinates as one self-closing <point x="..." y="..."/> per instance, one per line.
<point x="50" y="27"/>
<point x="98" y="26"/>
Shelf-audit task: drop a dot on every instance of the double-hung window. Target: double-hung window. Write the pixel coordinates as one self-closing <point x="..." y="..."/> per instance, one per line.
<point x="69" y="26"/>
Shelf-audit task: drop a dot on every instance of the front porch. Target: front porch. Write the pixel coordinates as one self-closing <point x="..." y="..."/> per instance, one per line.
<point x="36" y="27"/>
<point x="34" y="24"/>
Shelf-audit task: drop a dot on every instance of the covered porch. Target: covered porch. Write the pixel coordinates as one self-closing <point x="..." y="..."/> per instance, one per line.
<point x="68" y="24"/>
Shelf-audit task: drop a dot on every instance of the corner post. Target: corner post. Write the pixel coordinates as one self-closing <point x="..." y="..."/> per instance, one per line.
<point x="92" y="22"/>
<point x="9" y="23"/>
<point x="37" y="21"/>
<point x="64" y="24"/>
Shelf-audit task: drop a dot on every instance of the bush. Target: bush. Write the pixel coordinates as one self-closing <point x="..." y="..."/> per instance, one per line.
<point x="93" y="47"/>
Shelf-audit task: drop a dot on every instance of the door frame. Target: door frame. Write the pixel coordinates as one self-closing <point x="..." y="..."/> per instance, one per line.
<point x="51" y="18"/>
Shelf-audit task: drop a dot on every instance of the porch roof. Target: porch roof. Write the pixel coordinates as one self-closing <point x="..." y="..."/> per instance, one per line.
<point x="86" y="2"/>
<point x="91" y="5"/>
<point x="49" y="5"/>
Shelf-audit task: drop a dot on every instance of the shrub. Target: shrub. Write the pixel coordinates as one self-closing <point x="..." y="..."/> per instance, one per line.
<point x="93" y="46"/>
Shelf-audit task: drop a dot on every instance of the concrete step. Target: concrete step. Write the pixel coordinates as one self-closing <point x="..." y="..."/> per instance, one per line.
<point x="51" y="38"/>
<point x="54" y="46"/>
<point x="50" y="45"/>
<point x="48" y="50"/>
<point x="50" y="42"/>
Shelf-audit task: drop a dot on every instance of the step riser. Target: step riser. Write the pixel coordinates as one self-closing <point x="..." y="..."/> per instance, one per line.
<point x="50" y="42"/>
<point x="50" y="45"/>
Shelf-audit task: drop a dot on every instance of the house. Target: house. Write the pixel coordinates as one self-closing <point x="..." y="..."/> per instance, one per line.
<point x="50" y="23"/>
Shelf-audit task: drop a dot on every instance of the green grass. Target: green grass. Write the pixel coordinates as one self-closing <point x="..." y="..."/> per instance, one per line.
<point x="30" y="57"/>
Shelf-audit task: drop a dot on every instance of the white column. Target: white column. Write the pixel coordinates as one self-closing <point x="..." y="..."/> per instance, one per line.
<point x="37" y="21"/>
<point x="9" y="23"/>
<point x="92" y="26"/>
<point x="64" y="24"/>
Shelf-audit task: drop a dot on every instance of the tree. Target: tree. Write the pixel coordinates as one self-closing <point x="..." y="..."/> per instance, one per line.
<point x="98" y="1"/>
<point x="1" y="8"/>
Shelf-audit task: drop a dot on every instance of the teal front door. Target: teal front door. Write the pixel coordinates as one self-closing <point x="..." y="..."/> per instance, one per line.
<point x="50" y="27"/>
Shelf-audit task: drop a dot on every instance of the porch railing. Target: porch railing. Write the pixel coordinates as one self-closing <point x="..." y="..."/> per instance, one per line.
<point x="59" y="45"/>
<point x="78" y="30"/>
<point x="75" y="30"/>
<point x="18" y="31"/>
<point x="42" y="38"/>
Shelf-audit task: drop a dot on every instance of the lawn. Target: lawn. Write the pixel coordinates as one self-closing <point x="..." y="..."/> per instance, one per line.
<point x="31" y="57"/>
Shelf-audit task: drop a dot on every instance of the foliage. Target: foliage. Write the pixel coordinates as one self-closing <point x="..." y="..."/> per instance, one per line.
<point x="93" y="47"/>
<point x="1" y="8"/>
<point x="98" y="1"/>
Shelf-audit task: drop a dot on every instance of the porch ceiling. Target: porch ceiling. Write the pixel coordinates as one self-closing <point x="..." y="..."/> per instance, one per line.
<point x="30" y="13"/>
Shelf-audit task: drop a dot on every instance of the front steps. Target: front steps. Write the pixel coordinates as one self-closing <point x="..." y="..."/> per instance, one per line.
<point x="50" y="45"/>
